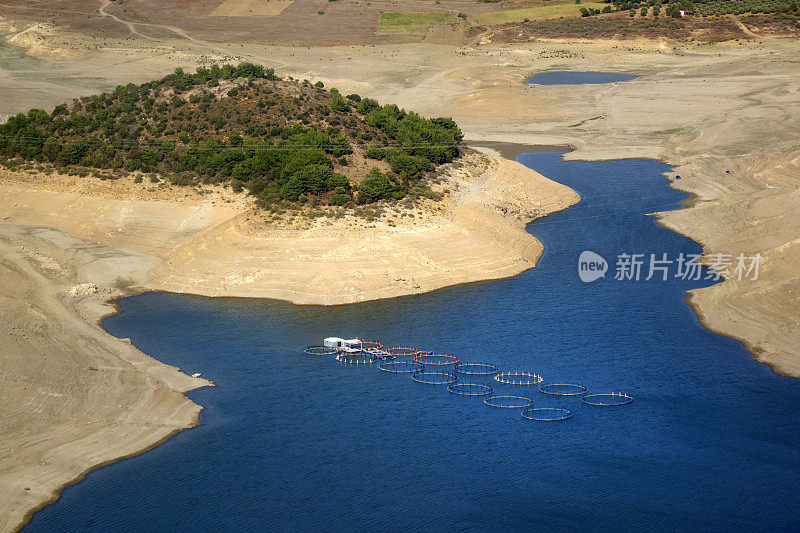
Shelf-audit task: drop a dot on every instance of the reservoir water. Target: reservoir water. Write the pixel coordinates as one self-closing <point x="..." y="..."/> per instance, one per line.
<point x="294" y="442"/>
<point x="578" y="78"/>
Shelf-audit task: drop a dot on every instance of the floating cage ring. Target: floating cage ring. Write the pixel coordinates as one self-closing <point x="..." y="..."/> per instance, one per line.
<point x="477" y="369"/>
<point x="377" y="352"/>
<point x="358" y="358"/>
<point x="436" y="359"/>
<point x="547" y="414"/>
<point x="434" y="378"/>
<point x="319" y="350"/>
<point x="607" y="399"/>
<point x="508" y="402"/>
<point x="563" y="389"/>
<point x="402" y="351"/>
<point x="366" y="345"/>
<point x="470" y="389"/>
<point x="510" y="378"/>
<point x="400" y="367"/>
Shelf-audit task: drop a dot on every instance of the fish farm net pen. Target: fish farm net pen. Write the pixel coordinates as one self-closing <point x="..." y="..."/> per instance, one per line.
<point x="400" y="367"/>
<point x="356" y="358"/>
<point x="434" y="378"/>
<point x="470" y="389"/>
<point x="433" y="359"/>
<point x="546" y="414"/>
<point x="510" y="378"/>
<point x="563" y="389"/>
<point x="319" y="350"/>
<point x="508" y="402"/>
<point x="432" y="368"/>
<point x="477" y="369"/>
<point x="402" y="351"/>
<point x="377" y="352"/>
<point x="607" y="399"/>
<point x="366" y="345"/>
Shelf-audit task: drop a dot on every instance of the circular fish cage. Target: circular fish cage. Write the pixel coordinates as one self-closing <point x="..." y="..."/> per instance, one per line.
<point x="435" y="359"/>
<point x="356" y="358"/>
<point x="477" y="369"/>
<point x="378" y="353"/>
<point x="508" y="402"/>
<point x="547" y="414"/>
<point x="401" y="351"/>
<point x="319" y="350"/>
<point x="368" y="345"/>
<point x="563" y="389"/>
<point x="518" y="378"/>
<point x="608" y="399"/>
<point x="400" y="367"/>
<point x="470" y="389"/>
<point x="434" y="378"/>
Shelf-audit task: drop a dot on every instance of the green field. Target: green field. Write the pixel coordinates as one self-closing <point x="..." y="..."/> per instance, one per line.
<point x="541" y="12"/>
<point x="413" y="23"/>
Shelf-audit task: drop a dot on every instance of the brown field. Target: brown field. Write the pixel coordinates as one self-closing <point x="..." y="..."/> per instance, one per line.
<point x="250" y="8"/>
<point x="231" y="21"/>
<point x="324" y="22"/>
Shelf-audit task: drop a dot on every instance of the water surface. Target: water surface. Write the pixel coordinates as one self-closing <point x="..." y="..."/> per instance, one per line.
<point x="293" y="442"/>
<point x="578" y="78"/>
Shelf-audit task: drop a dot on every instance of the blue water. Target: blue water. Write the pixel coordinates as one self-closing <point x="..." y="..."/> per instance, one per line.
<point x="293" y="442"/>
<point x="578" y="78"/>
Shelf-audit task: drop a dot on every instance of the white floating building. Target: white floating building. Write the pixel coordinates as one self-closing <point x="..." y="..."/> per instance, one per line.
<point x="343" y="345"/>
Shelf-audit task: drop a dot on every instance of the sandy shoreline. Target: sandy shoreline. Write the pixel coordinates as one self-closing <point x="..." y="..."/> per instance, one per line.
<point x="217" y="244"/>
<point x="67" y="384"/>
<point x="703" y="108"/>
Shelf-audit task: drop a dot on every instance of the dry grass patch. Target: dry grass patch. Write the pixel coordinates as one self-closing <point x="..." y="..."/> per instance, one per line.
<point x="413" y="23"/>
<point x="533" y="13"/>
<point x="250" y="8"/>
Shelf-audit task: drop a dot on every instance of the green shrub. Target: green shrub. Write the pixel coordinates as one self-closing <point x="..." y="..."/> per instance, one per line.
<point x="375" y="152"/>
<point x="339" y="199"/>
<point x="374" y="187"/>
<point x="293" y="189"/>
<point x="337" y="102"/>
<point x="406" y="166"/>
<point x="72" y="152"/>
<point x="366" y="105"/>
<point x="303" y="158"/>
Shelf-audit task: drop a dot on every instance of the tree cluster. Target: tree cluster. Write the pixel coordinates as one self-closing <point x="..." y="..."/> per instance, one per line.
<point x="673" y="8"/>
<point x="284" y="141"/>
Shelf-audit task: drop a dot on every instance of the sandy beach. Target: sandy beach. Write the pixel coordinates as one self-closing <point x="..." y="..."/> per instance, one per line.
<point x="705" y="108"/>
